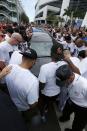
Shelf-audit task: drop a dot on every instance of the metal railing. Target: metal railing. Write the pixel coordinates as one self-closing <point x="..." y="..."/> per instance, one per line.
<point x="5" y="13"/>
<point x="11" y="1"/>
<point x="7" y="6"/>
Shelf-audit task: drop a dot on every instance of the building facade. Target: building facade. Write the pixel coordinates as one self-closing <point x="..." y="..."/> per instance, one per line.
<point x="46" y="7"/>
<point x="10" y="10"/>
<point x="79" y="6"/>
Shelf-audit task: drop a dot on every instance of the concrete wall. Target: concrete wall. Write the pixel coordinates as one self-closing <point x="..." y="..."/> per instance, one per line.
<point x="65" y="5"/>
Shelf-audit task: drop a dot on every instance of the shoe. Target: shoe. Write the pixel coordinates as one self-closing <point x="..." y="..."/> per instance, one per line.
<point x="43" y="119"/>
<point x="67" y="129"/>
<point x="64" y="119"/>
<point x="46" y="111"/>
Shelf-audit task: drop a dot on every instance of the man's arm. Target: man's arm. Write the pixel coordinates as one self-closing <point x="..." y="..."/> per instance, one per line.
<point x="5" y="71"/>
<point x="72" y="66"/>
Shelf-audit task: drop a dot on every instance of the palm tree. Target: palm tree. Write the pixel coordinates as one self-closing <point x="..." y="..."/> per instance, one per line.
<point x="67" y="12"/>
<point x="54" y="19"/>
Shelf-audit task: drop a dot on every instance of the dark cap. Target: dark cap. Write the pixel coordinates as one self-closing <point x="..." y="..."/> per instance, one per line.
<point x="62" y="74"/>
<point x="30" y="53"/>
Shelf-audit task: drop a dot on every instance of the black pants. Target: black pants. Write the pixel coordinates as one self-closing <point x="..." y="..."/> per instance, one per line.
<point x="44" y="102"/>
<point x="29" y="114"/>
<point x="80" y="119"/>
<point x="3" y="87"/>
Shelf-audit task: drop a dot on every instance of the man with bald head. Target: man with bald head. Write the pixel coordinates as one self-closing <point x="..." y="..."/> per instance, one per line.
<point x="7" y="47"/>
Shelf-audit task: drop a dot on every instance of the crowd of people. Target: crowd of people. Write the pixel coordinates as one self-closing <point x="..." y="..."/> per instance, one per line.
<point x="63" y="79"/>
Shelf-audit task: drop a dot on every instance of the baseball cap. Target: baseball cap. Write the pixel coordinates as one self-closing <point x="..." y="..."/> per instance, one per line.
<point x="62" y="74"/>
<point x="30" y="53"/>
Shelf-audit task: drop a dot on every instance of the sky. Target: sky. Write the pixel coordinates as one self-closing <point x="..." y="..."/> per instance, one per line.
<point x="29" y="7"/>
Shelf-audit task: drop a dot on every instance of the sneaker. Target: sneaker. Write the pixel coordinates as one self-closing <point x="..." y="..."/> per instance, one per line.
<point x="64" y="119"/>
<point x="43" y="119"/>
<point x="67" y="129"/>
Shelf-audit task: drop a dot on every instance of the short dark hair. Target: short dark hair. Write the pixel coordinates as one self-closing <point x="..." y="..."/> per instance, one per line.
<point x="10" y="30"/>
<point x="54" y="53"/>
<point x="55" y="47"/>
<point x="82" y="54"/>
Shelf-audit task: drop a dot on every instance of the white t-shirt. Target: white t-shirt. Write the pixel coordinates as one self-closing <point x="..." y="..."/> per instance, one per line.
<point x="78" y="91"/>
<point x="16" y="58"/>
<point x="73" y="37"/>
<point x="75" y="61"/>
<point x="23" y="87"/>
<point x="81" y="48"/>
<point x="6" y="50"/>
<point x="83" y="67"/>
<point x="47" y="76"/>
<point x="7" y="37"/>
<point x="71" y="46"/>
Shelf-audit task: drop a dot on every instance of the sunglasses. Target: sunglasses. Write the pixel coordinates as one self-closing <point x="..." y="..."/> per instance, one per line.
<point x="17" y="40"/>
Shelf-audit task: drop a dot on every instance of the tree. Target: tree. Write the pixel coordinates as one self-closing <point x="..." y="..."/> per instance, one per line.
<point x="54" y="19"/>
<point x="79" y="14"/>
<point x="67" y="12"/>
<point x="24" y="18"/>
<point x="76" y="13"/>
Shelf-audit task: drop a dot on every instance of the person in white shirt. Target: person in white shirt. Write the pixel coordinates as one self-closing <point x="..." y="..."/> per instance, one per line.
<point x="47" y="79"/>
<point x="8" y="110"/>
<point x="47" y="84"/>
<point x="70" y="45"/>
<point x="22" y="84"/>
<point x="80" y="45"/>
<point x="83" y="67"/>
<point x="7" y="47"/>
<point x="16" y="58"/>
<point x="77" y="88"/>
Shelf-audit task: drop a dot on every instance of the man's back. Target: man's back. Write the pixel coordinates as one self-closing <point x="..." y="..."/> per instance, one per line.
<point x="22" y="86"/>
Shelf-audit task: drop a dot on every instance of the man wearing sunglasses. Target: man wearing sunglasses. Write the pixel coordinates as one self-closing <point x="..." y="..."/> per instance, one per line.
<point x="7" y="47"/>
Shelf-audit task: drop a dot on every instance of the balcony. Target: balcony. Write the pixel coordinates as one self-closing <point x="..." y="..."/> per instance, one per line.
<point x="5" y="14"/>
<point x="12" y="1"/>
<point x="7" y="6"/>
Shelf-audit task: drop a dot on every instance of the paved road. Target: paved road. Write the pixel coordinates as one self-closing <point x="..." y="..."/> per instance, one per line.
<point x="50" y="125"/>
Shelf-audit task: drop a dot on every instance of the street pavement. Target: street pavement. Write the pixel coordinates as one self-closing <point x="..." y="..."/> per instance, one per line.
<point x="51" y="125"/>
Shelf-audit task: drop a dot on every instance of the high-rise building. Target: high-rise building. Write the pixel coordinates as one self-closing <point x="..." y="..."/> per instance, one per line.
<point x="46" y="7"/>
<point x="79" y="6"/>
<point x="10" y="10"/>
